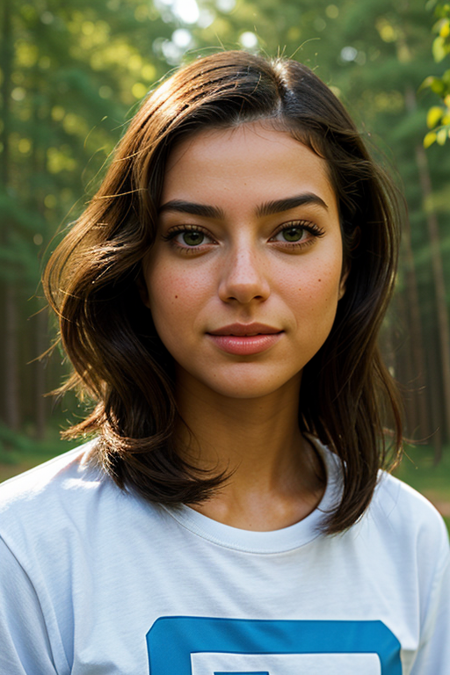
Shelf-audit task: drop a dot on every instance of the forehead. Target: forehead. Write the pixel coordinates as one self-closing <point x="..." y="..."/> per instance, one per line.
<point x="251" y="161"/>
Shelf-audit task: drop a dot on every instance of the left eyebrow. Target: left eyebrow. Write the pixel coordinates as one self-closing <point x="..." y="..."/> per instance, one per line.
<point x="271" y="208"/>
<point x="183" y="206"/>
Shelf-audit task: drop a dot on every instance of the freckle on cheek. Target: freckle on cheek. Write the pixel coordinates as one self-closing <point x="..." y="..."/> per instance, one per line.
<point x="319" y="279"/>
<point x="176" y="297"/>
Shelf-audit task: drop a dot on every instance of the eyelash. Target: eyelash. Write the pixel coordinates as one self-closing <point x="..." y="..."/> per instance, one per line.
<point x="306" y="225"/>
<point x="179" y="229"/>
<point x="310" y="227"/>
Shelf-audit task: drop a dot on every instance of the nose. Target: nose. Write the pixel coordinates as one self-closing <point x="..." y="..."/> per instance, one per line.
<point x="244" y="277"/>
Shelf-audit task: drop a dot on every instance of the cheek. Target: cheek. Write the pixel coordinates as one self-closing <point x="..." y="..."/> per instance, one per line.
<point x="165" y="295"/>
<point x="315" y="288"/>
<point x="174" y="298"/>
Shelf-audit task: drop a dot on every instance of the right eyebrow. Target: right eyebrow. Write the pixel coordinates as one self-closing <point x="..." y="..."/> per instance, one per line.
<point x="289" y="203"/>
<point x="203" y="210"/>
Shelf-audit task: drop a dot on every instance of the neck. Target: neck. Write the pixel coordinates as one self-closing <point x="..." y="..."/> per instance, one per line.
<point x="275" y="479"/>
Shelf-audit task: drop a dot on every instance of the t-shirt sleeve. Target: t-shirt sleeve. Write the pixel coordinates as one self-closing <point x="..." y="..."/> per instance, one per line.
<point x="433" y="656"/>
<point x="24" y="643"/>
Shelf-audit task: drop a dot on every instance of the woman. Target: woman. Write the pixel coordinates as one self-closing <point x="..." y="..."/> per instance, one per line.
<point x="220" y="301"/>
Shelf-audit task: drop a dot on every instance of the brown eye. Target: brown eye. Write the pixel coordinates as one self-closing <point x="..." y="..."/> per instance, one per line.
<point x="193" y="238"/>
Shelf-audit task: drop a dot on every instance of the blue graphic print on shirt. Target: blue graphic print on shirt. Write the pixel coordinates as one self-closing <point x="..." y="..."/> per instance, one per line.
<point x="172" y="639"/>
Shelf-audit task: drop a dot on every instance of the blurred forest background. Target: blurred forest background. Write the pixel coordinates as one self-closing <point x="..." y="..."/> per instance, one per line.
<point x="72" y="74"/>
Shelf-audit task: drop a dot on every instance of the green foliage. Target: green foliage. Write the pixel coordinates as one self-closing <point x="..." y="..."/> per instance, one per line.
<point x="18" y="447"/>
<point x="76" y="71"/>
<point x="438" y="119"/>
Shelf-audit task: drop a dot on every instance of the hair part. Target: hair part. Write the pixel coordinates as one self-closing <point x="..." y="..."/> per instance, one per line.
<point x="92" y="282"/>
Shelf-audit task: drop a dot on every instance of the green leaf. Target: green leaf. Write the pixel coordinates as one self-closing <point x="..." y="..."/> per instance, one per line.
<point x="441" y="136"/>
<point x="439" y="50"/>
<point x="429" y="139"/>
<point x="434" y="116"/>
<point x="438" y="86"/>
<point x="444" y="30"/>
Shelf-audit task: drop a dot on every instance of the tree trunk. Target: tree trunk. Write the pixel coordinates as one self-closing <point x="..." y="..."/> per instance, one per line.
<point x="437" y="267"/>
<point x="405" y="367"/>
<point x="416" y="338"/>
<point x="40" y="320"/>
<point x="439" y="282"/>
<point x="11" y="381"/>
<point x="436" y="406"/>
<point x="11" y="370"/>
<point x="39" y="374"/>
<point x="6" y="56"/>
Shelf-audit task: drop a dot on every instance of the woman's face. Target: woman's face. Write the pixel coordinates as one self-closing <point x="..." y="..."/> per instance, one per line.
<point x="245" y="276"/>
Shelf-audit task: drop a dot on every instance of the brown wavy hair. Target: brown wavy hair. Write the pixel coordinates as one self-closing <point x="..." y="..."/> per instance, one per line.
<point x="92" y="280"/>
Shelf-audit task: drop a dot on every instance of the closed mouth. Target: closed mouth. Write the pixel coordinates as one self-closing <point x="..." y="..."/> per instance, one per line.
<point x="242" y="330"/>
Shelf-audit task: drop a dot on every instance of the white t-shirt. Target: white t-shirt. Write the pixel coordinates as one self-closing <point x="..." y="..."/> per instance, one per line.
<point x="97" y="581"/>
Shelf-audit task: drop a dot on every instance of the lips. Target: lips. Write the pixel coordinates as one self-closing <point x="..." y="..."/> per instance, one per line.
<point x="245" y="339"/>
<point x="246" y="330"/>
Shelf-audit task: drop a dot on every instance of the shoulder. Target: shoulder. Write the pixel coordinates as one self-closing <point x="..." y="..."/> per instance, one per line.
<point x="396" y="509"/>
<point x="395" y="501"/>
<point x="65" y="520"/>
<point x="408" y="521"/>
<point x="61" y="498"/>
<point x="45" y="482"/>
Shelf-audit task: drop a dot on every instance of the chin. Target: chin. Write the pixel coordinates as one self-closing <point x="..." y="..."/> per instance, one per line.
<point x="248" y="384"/>
<point x="245" y="392"/>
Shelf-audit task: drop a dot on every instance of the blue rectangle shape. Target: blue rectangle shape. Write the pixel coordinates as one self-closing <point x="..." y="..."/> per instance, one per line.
<point x="187" y="635"/>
